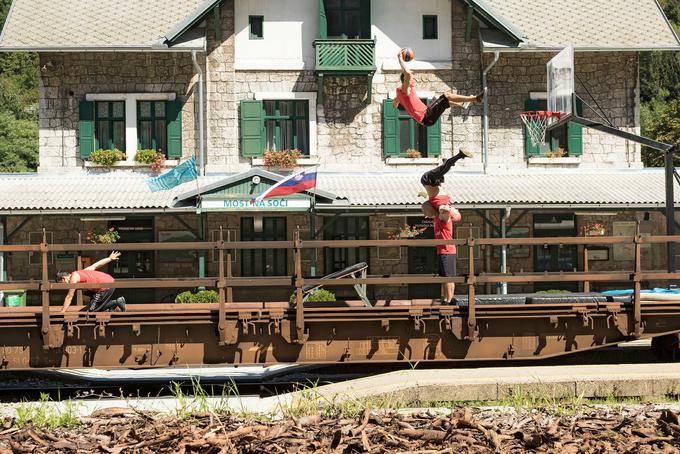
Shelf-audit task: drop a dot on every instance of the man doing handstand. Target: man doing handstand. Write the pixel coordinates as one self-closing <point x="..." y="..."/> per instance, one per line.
<point x="427" y="115"/>
<point x="100" y="298"/>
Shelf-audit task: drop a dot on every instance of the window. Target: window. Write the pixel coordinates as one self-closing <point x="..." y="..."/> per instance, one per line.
<point x="152" y="125"/>
<point x="256" y="27"/>
<point x="402" y="133"/>
<point x="264" y="262"/>
<point x="110" y="125"/>
<point x="346" y="228"/>
<point x="430" y="27"/>
<point x="344" y="18"/>
<point x="286" y="125"/>
<point x="568" y="137"/>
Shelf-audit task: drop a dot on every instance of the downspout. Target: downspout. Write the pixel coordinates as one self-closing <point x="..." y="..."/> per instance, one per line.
<point x="201" y="145"/>
<point x="485" y="121"/>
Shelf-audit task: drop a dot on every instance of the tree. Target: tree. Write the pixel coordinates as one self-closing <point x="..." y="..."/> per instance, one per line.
<point x="18" y="107"/>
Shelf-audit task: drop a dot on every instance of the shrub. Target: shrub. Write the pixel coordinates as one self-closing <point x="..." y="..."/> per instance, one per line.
<point x="184" y="297"/>
<point x="284" y="159"/>
<point x="203" y="296"/>
<point x="318" y="296"/>
<point x="145" y="156"/>
<point x="106" y="158"/>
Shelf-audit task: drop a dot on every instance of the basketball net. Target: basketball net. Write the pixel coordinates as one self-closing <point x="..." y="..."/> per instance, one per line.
<point x="537" y="122"/>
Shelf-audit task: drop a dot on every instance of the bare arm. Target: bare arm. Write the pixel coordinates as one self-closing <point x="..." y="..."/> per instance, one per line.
<point x="406" y="85"/>
<point x="395" y="103"/>
<point x="455" y="215"/>
<point x="75" y="278"/>
<point x="111" y="258"/>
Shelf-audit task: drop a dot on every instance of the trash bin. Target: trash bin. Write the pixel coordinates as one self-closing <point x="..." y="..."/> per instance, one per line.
<point x="15" y="298"/>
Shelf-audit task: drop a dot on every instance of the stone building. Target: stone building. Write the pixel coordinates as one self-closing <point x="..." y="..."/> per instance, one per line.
<point x="227" y="80"/>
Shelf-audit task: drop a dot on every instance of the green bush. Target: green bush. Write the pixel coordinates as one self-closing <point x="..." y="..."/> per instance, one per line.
<point x="184" y="297"/>
<point x="206" y="296"/>
<point x="146" y="156"/>
<point x="106" y="158"/>
<point x="203" y="296"/>
<point x="318" y="296"/>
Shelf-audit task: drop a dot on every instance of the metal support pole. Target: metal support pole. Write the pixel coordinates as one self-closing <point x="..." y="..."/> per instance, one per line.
<point x="79" y="266"/>
<point x="471" y="281"/>
<point x="222" y="318"/>
<point x="44" y="288"/>
<point x="299" y="282"/>
<point x="637" y="311"/>
<point x="505" y="214"/>
<point x="3" y="229"/>
<point x="485" y="112"/>
<point x="586" y="284"/>
<point x="201" y="142"/>
<point x="201" y="253"/>
<point x="670" y="209"/>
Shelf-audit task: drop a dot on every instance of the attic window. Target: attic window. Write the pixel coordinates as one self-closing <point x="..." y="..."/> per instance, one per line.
<point x="256" y="27"/>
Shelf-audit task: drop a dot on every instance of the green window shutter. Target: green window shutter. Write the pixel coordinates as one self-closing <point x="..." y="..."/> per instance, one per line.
<point x="434" y="139"/>
<point x="323" y="22"/>
<point x="529" y="148"/>
<point x="86" y="128"/>
<point x="390" y="117"/>
<point x="365" y="15"/>
<point x="575" y="133"/>
<point x="173" y="119"/>
<point x="252" y="128"/>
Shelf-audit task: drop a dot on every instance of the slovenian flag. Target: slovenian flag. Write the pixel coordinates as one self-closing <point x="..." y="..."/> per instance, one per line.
<point x="299" y="182"/>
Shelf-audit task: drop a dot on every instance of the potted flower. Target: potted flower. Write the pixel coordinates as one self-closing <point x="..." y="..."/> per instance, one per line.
<point x="559" y="153"/>
<point x="155" y="159"/>
<point x="106" y="158"/>
<point x="108" y="236"/>
<point x="406" y="231"/>
<point x="593" y="229"/>
<point x="282" y="159"/>
<point x="412" y="153"/>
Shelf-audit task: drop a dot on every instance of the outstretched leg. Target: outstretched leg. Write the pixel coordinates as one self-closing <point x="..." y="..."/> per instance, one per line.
<point x="456" y="98"/>
<point x="435" y="177"/>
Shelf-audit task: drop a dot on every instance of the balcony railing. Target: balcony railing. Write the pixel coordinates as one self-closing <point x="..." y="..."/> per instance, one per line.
<point x="352" y="56"/>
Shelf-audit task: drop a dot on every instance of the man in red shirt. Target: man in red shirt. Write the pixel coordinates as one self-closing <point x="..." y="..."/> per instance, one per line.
<point x="444" y="218"/>
<point x="100" y="298"/>
<point x="427" y="115"/>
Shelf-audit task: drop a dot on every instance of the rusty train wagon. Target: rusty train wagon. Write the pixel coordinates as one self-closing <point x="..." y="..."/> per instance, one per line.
<point x="477" y="327"/>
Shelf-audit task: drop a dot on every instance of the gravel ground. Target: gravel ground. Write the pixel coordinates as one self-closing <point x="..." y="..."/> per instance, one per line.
<point x="586" y="429"/>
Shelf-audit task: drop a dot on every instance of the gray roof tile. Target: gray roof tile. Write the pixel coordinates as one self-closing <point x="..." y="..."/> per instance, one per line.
<point x="596" y="24"/>
<point x="41" y="24"/>
<point x="128" y="191"/>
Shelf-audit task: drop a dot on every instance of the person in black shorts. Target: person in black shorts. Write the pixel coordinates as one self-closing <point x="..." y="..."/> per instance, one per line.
<point x="427" y="115"/>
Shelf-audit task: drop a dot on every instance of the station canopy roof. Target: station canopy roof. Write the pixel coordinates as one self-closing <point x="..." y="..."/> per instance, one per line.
<point x="124" y="192"/>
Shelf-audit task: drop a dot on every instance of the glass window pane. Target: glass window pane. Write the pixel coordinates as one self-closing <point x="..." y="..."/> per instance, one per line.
<point x="404" y="135"/>
<point x="256" y="27"/>
<point x="333" y="4"/>
<point x="420" y="139"/>
<point x="145" y="134"/>
<point x="160" y="109"/>
<point x="352" y="3"/>
<point x="270" y="108"/>
<point x="287" y="142"/>
<point x="119" y="110"/>
<point x="103" y="134"/>
<point x="301" y="133"/>
<point x="334" y="19"/>
<point x="160" y="135"/>
<point x="119" y="135"/>
<point x="145" y="109"/>
<point x="301" y="108"/>
<point x="352" y="24"/>
<point x="102" y="110"/>
<point x="270" y="129"/>
<point x="286" y="108"/>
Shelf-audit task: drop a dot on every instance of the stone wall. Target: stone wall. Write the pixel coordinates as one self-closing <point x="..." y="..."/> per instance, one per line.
<point x="66" y="79"/>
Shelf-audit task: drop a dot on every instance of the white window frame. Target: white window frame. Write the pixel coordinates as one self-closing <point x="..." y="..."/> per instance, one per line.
<point x="310" y="96"/>
<point x="131" y="100"/>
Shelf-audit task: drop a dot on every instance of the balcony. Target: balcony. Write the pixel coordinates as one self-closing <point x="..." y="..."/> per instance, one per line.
<point x="349" y="57"/>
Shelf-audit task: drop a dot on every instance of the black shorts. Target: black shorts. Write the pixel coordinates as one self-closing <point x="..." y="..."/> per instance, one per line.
<point x="447" y="265"/>
<point x="435" y="110"/>
<point x="98" y="299"/>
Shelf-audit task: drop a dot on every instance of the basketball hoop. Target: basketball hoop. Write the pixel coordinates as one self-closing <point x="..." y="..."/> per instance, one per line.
<point x="537" y="122"/>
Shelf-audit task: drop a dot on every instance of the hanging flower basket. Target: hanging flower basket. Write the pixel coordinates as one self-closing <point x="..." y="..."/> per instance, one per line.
<point x="406" y="231"/>
<point x="103" y="237"/>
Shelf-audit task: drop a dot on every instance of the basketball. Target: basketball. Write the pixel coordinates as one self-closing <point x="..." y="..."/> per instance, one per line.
<point x="428" y="210"/>
<point x="407" y="54"/>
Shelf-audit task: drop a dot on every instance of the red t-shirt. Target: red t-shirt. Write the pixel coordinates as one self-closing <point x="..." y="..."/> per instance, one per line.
<point x="440" y="200"/>
<point x="444" y="230"/>
<point x="94" y="277"/>
<point x="412" y="103"/>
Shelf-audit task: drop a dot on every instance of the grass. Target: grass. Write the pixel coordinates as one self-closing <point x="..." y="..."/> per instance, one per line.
<point x="44" y="413"/>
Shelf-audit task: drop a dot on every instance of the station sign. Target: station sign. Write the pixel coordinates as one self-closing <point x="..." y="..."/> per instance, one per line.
<point x="246" y="204"/>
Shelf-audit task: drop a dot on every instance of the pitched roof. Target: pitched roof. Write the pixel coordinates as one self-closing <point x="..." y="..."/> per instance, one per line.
<point x="84" y="24"/>
<point x="125" y="192"/>
<point x="587" y="24"/>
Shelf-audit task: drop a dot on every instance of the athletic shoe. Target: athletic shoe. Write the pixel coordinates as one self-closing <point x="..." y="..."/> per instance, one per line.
<point x="480" y="97"/>
<point x="467" y="153"/>
<point x="466" y="105"/>
<point x="120" y="302"/>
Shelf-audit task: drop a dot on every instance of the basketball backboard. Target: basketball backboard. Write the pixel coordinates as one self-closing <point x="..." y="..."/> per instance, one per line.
<point x="561" y="82"/>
